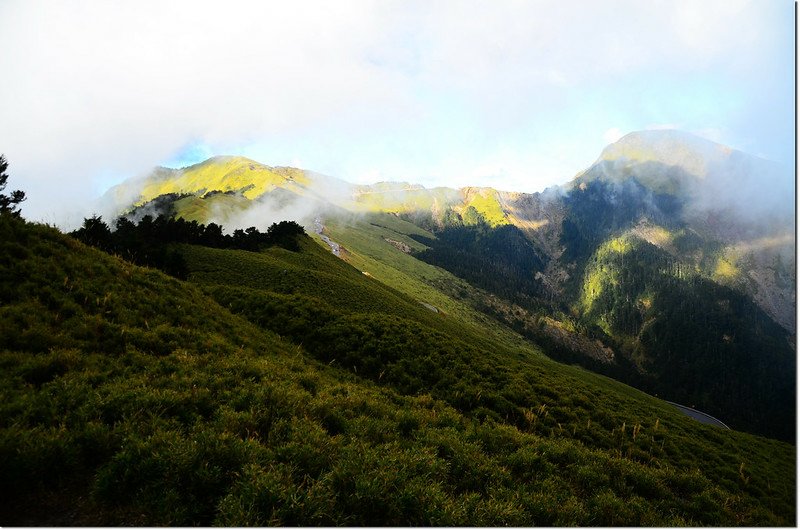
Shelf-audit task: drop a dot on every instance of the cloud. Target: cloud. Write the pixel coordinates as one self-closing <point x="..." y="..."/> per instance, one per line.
<point x="662" y="126"/>
<point x="612" y="135"/>
<point x="97" y="91"/>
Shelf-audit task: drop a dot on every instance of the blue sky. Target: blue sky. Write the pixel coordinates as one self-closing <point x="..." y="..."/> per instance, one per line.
<point x="519" y="95"/>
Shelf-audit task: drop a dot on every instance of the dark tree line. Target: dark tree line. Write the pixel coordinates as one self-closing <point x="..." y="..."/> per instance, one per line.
<point x="151" y="242"/>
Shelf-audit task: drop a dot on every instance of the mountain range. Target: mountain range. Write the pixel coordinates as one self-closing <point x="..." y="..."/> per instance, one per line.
<point x="668" y="263"/>
<point x="408" y="356"/>
<point x="741" y="203"/>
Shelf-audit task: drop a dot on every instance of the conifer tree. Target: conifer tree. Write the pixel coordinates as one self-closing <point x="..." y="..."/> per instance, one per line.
<point x="8" y="203"/>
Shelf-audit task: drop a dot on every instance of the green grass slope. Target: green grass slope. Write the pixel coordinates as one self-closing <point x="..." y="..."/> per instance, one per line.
<point x="371" y="245"/>
<point x="208" y="208"/>
<point x="129" y="397"/>
<point x="489" y="383"/>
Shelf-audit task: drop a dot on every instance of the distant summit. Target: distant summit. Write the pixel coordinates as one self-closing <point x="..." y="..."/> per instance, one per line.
<point x="707" y="175"/>
<point x="670" y="147"/>
<point x="235" y="174"/>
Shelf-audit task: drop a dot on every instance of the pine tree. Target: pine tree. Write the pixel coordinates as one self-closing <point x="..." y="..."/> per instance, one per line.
<point x="8" y="203"/>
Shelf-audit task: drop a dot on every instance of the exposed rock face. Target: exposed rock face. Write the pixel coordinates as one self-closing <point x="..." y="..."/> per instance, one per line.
<point x="399" y="245"/>
<point x="771" y="281"/>
<point x="540" y="217"/>
<point x="577" y="342"/>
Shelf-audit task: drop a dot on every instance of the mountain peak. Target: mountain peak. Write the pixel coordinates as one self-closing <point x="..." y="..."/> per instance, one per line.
<point x="219" y="173"/>
<point x="224" y="160"/>
<point x="711" y="176"/>
<point x="670" y="147"/>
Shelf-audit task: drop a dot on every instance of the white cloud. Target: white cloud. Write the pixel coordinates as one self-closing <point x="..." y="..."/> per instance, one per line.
<point x="612" y="135"/>
<point x="662" y="126"/>
<point x="715" y="134"/>
<point x="94" y="90"/>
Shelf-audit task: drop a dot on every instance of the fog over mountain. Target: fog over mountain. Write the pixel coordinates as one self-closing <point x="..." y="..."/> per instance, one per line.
<point x="510" y="95"/>
<point x="709" y="175"/>
<point x="706" y="176"/>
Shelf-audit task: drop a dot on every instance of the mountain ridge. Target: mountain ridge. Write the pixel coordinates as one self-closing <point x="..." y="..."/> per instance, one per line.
<point x="684" y="171"/>
<point x="547" y="245"/>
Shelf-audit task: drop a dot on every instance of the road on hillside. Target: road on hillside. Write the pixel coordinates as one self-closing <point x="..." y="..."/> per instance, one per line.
<point x="702" y="417"/>
<point x="318" y="228"/>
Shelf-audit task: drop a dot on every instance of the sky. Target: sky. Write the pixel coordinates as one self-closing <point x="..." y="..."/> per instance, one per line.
<point x="517" y="95"/>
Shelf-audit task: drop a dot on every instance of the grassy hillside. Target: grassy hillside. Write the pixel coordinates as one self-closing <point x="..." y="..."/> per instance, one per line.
<point x="129" y="397"/>
<point x="221" y="174"/>
<point x="648" y="315"/>
<point x="547" y="292"/>
<point x="210" y="207"/>
<point x="399" y="197"/>
<point x="371" y="245"/>
<point x="413" y="352"/>
<point x="487" y="204"/>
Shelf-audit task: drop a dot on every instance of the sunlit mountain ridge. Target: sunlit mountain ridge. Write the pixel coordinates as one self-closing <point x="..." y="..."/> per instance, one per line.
<point x="724" y="195"/>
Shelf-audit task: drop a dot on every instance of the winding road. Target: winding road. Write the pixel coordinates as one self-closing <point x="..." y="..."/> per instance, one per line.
<point x="318" y="228"/>
<point x="702" y="417"/>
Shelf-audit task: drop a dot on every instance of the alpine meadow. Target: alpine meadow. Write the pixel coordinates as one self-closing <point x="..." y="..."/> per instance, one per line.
<point x="397" y="264"/>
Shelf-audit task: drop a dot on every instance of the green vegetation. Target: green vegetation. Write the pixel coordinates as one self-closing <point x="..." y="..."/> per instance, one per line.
<point x="596" y="278"/>
<point x="129" y="397"/>
<point x="598" y="210"/>
<point x="367" y="248"/>
<point x="496" y="270"/>
<point x="499" y="259"/>
<point x="515" y="328"/>
<point x="399" y="197"/>
<point x="148" y="242"/>
<point x="694" y="339"/>
<point x="486" y="203"/>
<point x="203" y="209"/>
<point x="223" y="174"/>
<point x="676" y="334"/>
